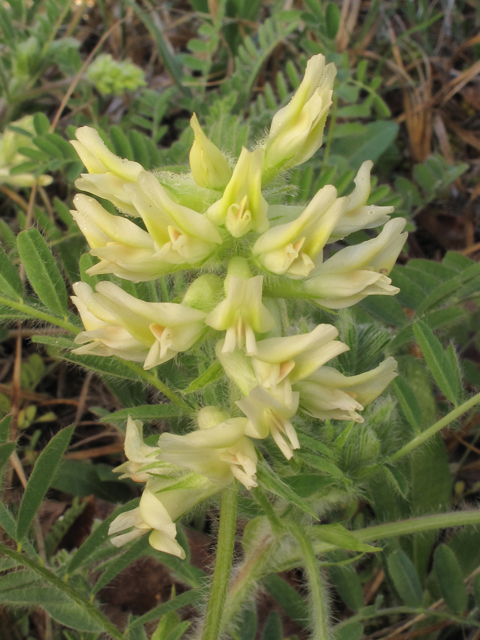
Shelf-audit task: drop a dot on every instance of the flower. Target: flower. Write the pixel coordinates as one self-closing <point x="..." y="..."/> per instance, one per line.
<point x="242" y="207"/>
<point x="119" y="324"/>
<point x="358" y="215"/>
<point x="142" y="462"/>
<point x="207" y="163"/>
<point x="328" y="394"/>
<point x="294" y="358"/>
<point x="267" y="414"/>
<point x="183" y="235"/>
<point x="107" y="173"/>
<point x="241" y="314"/>
<point x="358" y="271"/>
<point x="219" y="452"/>
<point x="163" y="501"/>
<point x="123" y="248"/>
<point x="291" y="248"/>
<point x="297" y="129"/>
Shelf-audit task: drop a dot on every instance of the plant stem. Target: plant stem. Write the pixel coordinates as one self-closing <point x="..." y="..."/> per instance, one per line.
<point x="431" y="431"/>
<point x="258" y="563"/>
<point x="40" y="315"/>
<point x="317" y="595"/>
<point x="223" y="563"/>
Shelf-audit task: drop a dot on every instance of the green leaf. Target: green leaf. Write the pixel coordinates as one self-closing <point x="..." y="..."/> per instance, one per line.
<point x="376" y="139"/>
<point x="437" y="361"/>
<point x="96" y="539"/>
<point x="177" y="633"/>
<point x="121" y="562"/>
<point x="317" y="462"/>
<point x="476" y="590"/>
<point x="42" y="271"/>
<point x="59" y="585"/>
<point x="347" y="583"/>
<point x="337" y="535"/>
<point x="5" y="428"/>
<point x="214" y="372"/>
<point x="10" y="283"/>
<point x="351" y="631"/>
<point x="189" y="597"/>
<point x="273" y="627"/>
<point x="145" y="413"/>
<point x="288" y="598"/>
<point x="271" y="482"/>
<point x="41" y="123"/>
<point x="40" y="480"/>
<point x="405" y="578"/>
<point x="72" y="615"/>
<point x="397" y="479"/>
<point x="6" y="451"/>
<point x="332" y="19"/>
<point x="408" y="403"/>
<point x="450" y="579"/>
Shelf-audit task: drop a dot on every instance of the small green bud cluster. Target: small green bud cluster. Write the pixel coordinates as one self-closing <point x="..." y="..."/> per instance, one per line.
<point x="115" y="77"/>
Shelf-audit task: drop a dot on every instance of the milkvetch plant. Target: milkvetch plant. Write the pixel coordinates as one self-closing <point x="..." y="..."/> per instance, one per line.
<point x="204" y="284"/>
<point x="241" y="256"/>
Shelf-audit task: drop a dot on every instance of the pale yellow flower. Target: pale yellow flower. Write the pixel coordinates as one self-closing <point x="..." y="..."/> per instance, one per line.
<point x="119" y="324"/>
<point x="219" y="452"/>
<point x="242" y="207"/>
<point x="241" y="314"/>
<point x="163" y="501"/>
<point x="358" y="214"/>
<point x="292" y="248"/>
<point x="107" y="173"/>
<point x="328" y="394"/>
<point x="297" y="129"/>
<point x="184" y="236"/>
<point x="358" y="271"/>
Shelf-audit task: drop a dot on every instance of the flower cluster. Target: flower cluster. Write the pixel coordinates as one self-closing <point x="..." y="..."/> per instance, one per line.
<point x="242" y="253"/>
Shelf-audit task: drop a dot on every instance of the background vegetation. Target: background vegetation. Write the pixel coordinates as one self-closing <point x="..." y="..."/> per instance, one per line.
<point x="407" y="96"/>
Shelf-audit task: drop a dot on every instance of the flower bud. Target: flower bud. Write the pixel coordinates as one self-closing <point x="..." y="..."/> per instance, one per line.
<point x="241" y="314"/>
<point x="209" y="167"/>
<point x="119" y="324"/>
<point x="358" y="215"/>
<point x="296" y="132"/>
<point x="204" y="293"/>
<point x="184" y="236"/>
<point x="358" y="271"/>
<point x="292" y="248"/>
<point x="242" y="207"/>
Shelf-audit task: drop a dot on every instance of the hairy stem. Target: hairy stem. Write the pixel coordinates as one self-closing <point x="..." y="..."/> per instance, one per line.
<point x="223" y="563"/>
<point x="317" y="594"/>
<point x="153" y="379"/>
<point x="431" y="431"/>
<point x="258" y="564"/>
<point x="39" y="315"/>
